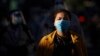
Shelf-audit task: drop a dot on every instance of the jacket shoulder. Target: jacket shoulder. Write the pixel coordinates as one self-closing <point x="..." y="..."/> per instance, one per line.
<point x="48" y="38"/>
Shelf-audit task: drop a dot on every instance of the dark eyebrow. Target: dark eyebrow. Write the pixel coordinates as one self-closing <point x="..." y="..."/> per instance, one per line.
<point x="59" y="18"/>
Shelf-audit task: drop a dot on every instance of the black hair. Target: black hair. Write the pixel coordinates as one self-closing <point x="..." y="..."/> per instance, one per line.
<point x="66" y="12"/>
<point x="14" y="12"/>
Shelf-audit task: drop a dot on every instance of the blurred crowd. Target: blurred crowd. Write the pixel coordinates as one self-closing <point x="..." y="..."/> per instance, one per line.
<point x="24" y="22"/>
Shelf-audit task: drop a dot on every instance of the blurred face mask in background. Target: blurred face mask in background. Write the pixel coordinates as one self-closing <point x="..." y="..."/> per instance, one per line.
<point x="16" y="18"/>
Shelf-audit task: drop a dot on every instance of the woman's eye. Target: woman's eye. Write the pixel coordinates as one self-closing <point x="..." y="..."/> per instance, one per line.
<point x="59" y="18"/>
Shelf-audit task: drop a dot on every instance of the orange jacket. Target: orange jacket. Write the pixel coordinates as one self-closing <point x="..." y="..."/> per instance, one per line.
<point x="46" y="45"/>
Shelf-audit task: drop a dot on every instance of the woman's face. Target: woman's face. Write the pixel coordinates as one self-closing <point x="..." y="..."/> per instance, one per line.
<point x="60" y="16"/>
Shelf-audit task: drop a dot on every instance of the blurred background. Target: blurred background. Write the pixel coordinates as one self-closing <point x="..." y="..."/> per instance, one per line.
<point x="24" y="22"/>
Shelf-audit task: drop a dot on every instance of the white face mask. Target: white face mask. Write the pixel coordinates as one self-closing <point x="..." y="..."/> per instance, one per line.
<point x="62" y="25"/>
<point x="16" y="19"/>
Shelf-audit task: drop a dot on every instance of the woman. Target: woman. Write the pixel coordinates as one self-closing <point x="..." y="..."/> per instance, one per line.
<point x="63" y="41"/>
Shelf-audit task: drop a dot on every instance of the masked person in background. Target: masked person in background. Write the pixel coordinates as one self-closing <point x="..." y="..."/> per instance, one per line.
<point x="63" y="41"/>
<point x="15" y="37"/>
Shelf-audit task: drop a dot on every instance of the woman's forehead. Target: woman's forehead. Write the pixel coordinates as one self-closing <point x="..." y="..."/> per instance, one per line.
<point x="62" y="15"/>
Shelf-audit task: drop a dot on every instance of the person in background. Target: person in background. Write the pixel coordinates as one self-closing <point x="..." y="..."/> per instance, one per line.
<point x="15" y="38"/>
<point x="63" y="41"/>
